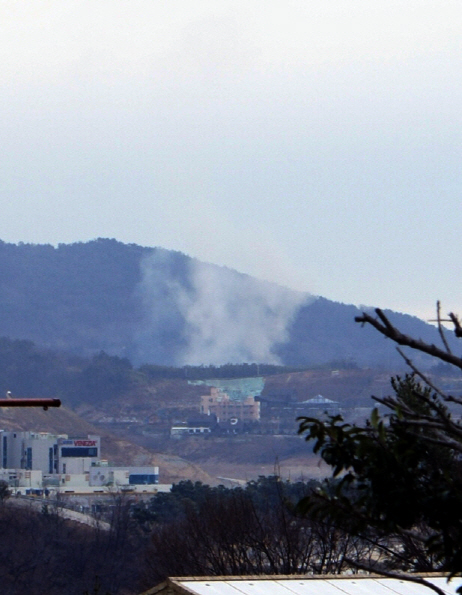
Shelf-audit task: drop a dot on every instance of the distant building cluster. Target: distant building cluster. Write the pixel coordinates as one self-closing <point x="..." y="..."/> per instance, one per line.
<point x="219" y="404"/>
<point x="32" y="461"/>
<point x="235" y="411"/>
<point x="234" y="406"/>
<point x="220" y="412"/>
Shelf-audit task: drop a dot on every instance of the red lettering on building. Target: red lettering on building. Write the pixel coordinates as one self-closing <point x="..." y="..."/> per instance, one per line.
<point x="84" y="442"/>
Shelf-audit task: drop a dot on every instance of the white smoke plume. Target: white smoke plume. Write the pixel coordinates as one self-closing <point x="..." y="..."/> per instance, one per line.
<point x="226" y="317"/>
<point x="234" y="318"/>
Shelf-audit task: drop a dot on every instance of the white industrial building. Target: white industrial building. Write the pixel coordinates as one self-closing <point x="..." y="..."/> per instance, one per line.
<point x="22" y="478"/>
<point x="49" y="453"/>
<point x="39" y="460"/>
<point x="103" y="475"/>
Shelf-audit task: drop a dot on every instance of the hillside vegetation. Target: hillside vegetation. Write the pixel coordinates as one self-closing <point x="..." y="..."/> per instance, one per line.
<point x="161" y="307"/>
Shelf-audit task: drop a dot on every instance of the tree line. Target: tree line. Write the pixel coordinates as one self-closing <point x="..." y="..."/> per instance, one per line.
<point x="193" y="530"/>
<point x="197" y="530"/>
<point x="27" y="370"/>
<point x="42" y="552"/>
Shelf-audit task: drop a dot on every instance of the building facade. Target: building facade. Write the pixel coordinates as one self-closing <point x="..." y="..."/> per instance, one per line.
<point x="49" y="453"/>
<point x="39" y="460"/>
<point x="226" y="409"/>
<point x="103" y="475"/>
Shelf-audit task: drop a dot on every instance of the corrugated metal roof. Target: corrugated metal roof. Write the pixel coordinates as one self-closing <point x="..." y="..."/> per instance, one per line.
<point x="354" y="585"/>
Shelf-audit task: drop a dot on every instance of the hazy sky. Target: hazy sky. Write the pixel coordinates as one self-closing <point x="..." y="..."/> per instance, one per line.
<point x="315" y="144"/>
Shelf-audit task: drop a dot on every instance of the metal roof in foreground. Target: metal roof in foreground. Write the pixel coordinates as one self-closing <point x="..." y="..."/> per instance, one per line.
<point x="302" y="585"/>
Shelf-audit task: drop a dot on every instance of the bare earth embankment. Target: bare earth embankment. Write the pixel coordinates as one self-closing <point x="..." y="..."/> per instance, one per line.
<point x="241" y="458"/>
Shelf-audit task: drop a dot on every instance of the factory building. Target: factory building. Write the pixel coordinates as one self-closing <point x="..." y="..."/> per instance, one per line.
<point x="77" y="455"/>
<point x="49" y="453"/>
<point x="102" y="475"/>
<point x="35" y="460"/>
<point x="20" y="478"/>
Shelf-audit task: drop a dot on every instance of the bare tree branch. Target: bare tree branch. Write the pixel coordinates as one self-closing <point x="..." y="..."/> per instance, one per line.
<point x="440" y="327"/>
<point x="385" y="327"/>
<point x="457" y="325"/>
<point x="421" y="375"/>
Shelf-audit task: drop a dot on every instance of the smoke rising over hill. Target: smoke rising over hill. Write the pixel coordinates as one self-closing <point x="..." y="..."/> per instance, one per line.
<point x="157" y="306"/>
<point x="227" y="316"/>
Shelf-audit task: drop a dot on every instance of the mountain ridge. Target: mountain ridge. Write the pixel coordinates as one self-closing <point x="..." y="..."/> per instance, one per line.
<point x="154" y="305"/>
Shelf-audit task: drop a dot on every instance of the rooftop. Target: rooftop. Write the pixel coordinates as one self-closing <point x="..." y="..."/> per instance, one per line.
<point x="302" y="585"/>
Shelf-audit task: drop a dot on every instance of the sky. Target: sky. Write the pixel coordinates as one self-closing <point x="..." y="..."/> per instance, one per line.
<point x="313" y="144"/>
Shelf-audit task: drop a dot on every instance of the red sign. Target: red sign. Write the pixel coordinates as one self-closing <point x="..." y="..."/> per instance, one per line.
<point x="84" y="442"/>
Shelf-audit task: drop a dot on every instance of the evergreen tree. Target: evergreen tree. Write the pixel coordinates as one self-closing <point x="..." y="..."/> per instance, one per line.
<point x="397" y="479"/>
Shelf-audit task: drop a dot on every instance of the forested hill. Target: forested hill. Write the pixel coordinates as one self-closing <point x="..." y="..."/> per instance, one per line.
<point x="162" y="307"/>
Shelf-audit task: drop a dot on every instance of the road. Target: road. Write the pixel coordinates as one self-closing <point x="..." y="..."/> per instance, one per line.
<point x="65" y="513"/>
